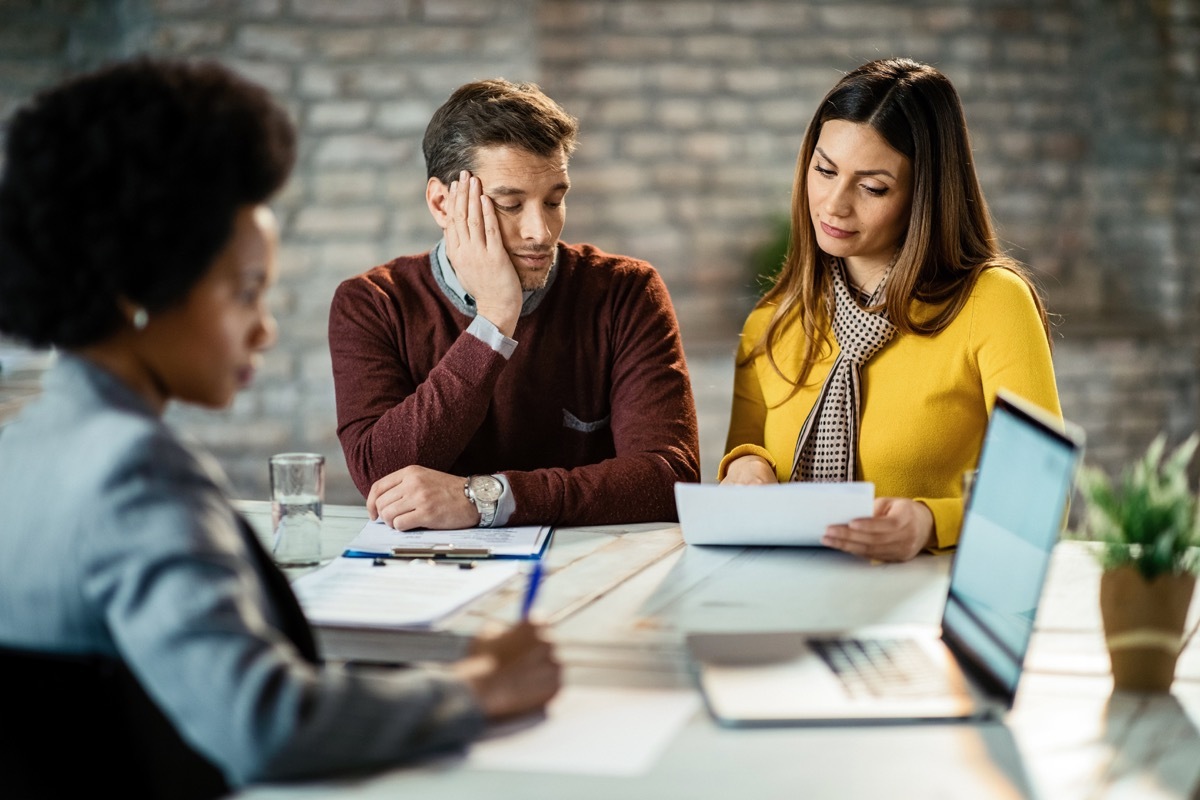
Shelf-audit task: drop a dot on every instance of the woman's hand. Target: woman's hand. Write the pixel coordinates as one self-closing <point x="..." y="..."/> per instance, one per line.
<point x="900" y="529"/>
<point x="512" y="673"/>
<point x="749" y="470"/>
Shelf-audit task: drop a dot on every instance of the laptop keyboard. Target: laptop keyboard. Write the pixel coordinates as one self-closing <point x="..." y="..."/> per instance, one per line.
<point x="881" y="667"/>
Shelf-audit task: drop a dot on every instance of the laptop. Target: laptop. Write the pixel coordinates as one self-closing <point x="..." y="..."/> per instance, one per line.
<point x="967" y="670"/>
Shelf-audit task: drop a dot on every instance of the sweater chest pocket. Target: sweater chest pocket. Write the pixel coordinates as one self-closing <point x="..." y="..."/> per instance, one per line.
<point x="574" y="423"/>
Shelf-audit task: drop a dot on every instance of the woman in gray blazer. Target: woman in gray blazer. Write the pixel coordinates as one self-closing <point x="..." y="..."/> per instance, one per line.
<point x="134" y="236"/>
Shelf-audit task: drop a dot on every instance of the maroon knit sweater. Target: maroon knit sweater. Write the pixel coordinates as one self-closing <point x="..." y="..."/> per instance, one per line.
<point x="592" y="420"/>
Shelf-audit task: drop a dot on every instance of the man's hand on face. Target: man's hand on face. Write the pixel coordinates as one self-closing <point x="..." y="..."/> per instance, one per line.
<point x="418" y="497"/>
<point x="475" y="248"/>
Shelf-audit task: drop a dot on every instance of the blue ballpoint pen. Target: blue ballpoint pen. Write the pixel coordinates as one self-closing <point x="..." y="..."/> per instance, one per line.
<point x="535" y="579"/>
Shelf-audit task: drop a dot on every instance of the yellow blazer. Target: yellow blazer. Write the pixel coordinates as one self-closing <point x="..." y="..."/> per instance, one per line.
<point x="926" y="399"/>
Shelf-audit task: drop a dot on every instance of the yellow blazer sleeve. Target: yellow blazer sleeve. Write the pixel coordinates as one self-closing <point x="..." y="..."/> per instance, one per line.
<point x="1011" y="351"/>
<point x="748" y="415"/>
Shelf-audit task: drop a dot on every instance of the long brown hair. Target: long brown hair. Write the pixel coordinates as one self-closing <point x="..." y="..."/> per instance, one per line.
<point x="949" y="239"/>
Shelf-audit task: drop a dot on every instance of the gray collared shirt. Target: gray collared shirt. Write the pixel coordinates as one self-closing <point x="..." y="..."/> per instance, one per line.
<point x="486" y="331"/>
<point x="481" y="327"/>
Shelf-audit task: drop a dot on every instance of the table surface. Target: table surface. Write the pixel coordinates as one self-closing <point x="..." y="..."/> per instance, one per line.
<point x="619" y="599"/>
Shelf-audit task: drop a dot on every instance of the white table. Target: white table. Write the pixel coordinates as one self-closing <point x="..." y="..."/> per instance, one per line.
<point x="619" y="600"/>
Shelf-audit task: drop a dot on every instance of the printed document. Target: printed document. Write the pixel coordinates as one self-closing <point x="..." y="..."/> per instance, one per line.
<point x="378" y="538"/>
<point x="768" y="514"/>
<point x="355" y="593"/>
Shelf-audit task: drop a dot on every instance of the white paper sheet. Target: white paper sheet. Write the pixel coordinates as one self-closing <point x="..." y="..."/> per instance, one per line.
<point x="769" y="514"/>
<point x="590" y="731"/>
<point x="352" y="592"/>
<point x="378" y="538"/>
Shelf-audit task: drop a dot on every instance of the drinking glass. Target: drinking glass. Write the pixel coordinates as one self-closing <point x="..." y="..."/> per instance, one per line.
<point x="297" y="492"/>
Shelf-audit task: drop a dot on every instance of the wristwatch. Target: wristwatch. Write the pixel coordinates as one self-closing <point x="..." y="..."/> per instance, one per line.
<point x="484" y="491"/>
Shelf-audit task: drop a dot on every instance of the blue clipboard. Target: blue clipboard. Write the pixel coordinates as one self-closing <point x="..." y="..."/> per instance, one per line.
<point x="470" y="544"/>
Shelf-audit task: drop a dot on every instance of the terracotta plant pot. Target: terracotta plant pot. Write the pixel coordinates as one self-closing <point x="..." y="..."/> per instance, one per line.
<point x="1143" y="625"/>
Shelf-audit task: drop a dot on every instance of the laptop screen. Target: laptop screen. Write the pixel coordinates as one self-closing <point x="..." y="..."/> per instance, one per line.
<point x="1012" y="522"/>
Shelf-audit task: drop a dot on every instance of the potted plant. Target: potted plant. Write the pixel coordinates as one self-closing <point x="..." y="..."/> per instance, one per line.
<point x="1149" y="530"/>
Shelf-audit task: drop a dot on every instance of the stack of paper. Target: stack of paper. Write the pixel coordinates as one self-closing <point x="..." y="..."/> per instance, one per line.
<point x="355" y="593"/>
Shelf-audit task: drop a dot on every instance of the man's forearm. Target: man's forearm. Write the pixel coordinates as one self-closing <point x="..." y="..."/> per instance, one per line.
<point x="431" y="426"/>
<point x="624" y="489"/>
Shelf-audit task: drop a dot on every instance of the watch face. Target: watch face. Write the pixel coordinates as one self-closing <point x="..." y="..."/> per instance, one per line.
<point x="486" y="488"/>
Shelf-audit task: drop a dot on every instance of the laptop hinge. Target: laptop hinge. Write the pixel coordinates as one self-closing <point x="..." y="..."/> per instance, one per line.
<point x="979" y="674"/>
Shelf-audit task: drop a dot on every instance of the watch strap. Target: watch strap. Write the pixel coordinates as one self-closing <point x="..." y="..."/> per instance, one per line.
<point x="486" y="508"/>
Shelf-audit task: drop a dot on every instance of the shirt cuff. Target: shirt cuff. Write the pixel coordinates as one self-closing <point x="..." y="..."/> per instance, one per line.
<point x="745" y="450"/>
<point x="947" y="519"/>
<point x="506" y="505"/>
<point x="483" y="329"/>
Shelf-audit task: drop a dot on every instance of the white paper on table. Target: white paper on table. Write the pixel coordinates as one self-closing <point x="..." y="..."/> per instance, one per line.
<point x="378" y="538"/>
<point x="590" y="730"/>
<point x="768" y="514"/>
<point x="352" y="592"/>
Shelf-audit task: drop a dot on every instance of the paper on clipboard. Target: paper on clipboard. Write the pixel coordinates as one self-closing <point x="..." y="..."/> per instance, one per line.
<point x="768" y="514"/>
<point x="379" y="539"/>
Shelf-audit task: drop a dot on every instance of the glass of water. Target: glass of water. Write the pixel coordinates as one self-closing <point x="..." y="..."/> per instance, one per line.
<point x="297" y="492"/>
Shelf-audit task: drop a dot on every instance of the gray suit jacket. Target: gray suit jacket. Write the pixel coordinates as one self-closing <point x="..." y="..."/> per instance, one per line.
<point x="119" y="540"/>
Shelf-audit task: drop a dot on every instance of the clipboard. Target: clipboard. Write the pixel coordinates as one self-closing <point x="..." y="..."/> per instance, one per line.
<point x="378" y="540"/>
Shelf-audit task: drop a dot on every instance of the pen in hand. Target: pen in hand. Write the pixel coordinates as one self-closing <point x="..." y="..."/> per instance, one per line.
<point x="535" y="579"/>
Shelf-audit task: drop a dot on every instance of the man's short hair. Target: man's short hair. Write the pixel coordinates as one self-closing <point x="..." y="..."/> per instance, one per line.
<point x="494" y="112"/>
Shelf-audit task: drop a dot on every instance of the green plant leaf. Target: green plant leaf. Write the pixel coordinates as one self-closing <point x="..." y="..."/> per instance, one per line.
<point x="1150" y="518"/>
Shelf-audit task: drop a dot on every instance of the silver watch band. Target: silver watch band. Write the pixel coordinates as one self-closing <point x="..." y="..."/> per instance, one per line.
<point x="488" y="503"/>
<point x="487" y="514"/>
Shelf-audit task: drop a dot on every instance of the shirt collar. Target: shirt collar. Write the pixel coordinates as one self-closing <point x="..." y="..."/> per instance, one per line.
<point x="530" y="298"/>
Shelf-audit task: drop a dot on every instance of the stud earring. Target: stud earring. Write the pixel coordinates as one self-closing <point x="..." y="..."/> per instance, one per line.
<point x="141" y="318"/>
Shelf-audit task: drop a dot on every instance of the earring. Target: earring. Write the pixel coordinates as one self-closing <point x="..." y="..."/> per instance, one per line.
<point x="141" y="318"/>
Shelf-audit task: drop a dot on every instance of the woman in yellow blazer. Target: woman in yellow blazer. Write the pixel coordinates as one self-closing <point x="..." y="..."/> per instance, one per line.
<point x="877" y="354"/>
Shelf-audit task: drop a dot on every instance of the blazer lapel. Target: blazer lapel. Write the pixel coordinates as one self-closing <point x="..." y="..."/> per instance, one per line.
<point x="291" y="617"/>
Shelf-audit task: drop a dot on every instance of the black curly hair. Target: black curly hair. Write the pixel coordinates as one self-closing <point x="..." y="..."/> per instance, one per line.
<point x="124" y="183"/>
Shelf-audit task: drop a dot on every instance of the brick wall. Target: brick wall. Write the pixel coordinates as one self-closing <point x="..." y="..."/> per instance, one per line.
<point x="701" y="107"/>
<point x="361" y="79"/>
<point x="1084" y="114"/>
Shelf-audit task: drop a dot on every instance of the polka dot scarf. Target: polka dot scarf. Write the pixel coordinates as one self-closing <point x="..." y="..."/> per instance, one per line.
<point x="827" y="448"/>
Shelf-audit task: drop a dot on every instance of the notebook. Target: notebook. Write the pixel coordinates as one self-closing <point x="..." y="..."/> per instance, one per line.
<point x="967" y="669"/>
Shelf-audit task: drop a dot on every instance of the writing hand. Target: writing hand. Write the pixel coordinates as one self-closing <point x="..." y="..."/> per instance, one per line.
<point x="512" y="673"/>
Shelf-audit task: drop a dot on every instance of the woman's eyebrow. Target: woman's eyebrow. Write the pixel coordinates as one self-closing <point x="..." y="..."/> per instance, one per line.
<point x="832" y="163"/>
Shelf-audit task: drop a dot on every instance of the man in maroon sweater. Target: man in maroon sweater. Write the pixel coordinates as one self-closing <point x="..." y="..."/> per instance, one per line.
<point x="505" y="377"/>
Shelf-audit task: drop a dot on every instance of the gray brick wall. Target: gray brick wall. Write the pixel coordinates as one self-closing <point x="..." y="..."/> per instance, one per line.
<point x="1084" y="116"/>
